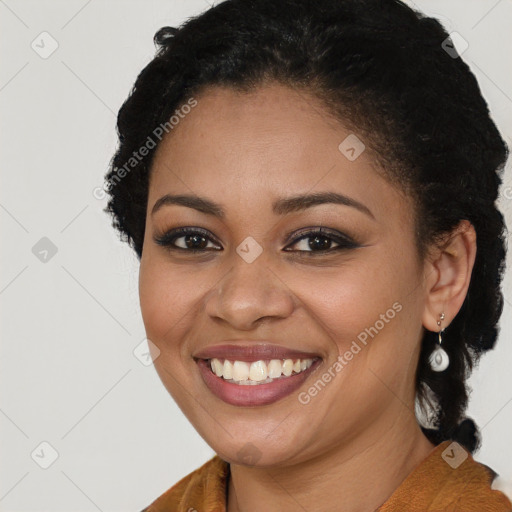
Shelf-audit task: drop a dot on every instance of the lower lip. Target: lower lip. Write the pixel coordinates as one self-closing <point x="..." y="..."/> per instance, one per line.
<point x="257" y="394"/>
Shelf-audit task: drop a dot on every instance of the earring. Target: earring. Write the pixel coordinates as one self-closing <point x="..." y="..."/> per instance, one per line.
<point x="439" y="359"/>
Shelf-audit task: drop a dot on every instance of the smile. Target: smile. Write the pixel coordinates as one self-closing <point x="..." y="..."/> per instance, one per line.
<point x="243" y="389"/>
<point x="258" y="372"/>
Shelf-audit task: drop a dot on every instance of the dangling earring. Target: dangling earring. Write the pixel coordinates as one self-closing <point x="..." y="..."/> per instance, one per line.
<point x="439" y="359"/>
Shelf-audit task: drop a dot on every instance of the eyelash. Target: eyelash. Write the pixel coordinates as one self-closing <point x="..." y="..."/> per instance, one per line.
<point x="168" y="239"/>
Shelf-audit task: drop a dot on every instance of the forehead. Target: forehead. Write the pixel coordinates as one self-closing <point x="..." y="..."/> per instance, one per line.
<point x="270" y="141"/>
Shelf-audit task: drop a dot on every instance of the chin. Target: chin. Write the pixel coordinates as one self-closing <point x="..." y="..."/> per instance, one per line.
<point x="263" y="445"/>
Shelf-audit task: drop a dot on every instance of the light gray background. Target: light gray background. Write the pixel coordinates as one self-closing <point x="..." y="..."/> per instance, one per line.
<point x="69" y="325"/>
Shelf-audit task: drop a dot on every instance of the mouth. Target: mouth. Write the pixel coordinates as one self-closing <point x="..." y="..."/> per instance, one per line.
<point x="258" y="372"/>
<point x="256" y="375"/>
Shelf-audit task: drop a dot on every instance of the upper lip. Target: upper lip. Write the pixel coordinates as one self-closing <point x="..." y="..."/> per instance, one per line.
<point x="252" y="352"/>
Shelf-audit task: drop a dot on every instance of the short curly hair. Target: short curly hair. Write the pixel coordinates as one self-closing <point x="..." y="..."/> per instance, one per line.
<point x="383" y="70"/>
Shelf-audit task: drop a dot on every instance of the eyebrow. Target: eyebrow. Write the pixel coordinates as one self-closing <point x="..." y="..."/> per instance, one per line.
<point x="279" y="207"/>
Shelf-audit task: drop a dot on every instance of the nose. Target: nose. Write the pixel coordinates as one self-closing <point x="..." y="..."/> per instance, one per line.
<point x="249" y="293"/>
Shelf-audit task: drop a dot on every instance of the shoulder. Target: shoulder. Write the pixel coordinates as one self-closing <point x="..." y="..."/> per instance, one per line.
<point x="449" y="480"/>
<point x="200" y="490"/>
<point x="475" y="489"/>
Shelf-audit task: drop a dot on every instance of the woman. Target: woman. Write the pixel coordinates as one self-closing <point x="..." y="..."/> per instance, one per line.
<point x="310" y="188"/>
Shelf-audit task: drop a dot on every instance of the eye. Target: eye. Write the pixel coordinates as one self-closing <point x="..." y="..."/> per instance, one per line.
<point x="186" y="239"/>
<point x="198" y="240"/>
<point x="320" y="240"/>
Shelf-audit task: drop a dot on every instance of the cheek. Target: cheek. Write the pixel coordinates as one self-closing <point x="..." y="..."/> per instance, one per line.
<point x="370" y="312"/>
<point x="167" y="306"/>
<point x="353" y="298"/>
<point x="166" y="300"/>
<point x="371" y="319"/>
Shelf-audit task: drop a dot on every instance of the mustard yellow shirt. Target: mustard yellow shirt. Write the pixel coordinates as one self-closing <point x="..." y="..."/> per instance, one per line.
<point x="440" y="483"/>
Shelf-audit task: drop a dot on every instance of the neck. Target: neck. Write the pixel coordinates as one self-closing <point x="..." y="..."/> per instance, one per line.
<point x="355" y="477"/>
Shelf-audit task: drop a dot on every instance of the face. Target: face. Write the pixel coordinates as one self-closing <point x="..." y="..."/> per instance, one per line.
<point x="248" y="277"/>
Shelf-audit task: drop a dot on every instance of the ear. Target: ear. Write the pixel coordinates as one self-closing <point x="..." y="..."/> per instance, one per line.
<point x="448" y="274"/>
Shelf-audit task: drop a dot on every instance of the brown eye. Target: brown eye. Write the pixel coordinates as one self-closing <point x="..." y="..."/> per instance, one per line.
<point x="321" y="241"/>
<point x="187" y="239"/>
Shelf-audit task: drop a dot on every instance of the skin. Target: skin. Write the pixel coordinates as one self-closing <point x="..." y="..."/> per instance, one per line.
<point x="243" y="151"/>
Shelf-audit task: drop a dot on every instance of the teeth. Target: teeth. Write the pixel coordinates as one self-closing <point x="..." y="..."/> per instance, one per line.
<point x="258" y="372"/>
<point x="227" y="370"/>
<point x="240" y="370"/>
<point x="275" y="369"/>
<point x="217" y="367"/>
<point x="287" y="367"/>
